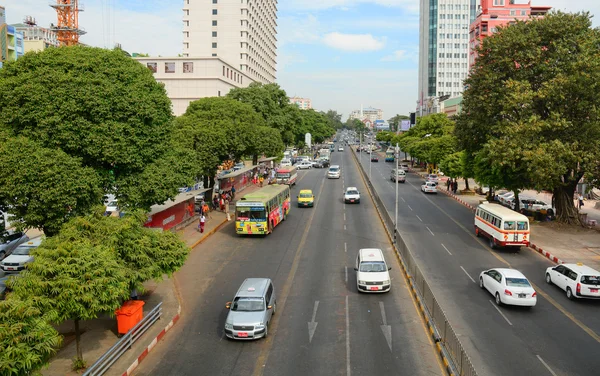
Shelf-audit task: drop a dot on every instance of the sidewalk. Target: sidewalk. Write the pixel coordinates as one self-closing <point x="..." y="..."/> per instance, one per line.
<point x="560" y="243"/>
<point x="100" y="334"/>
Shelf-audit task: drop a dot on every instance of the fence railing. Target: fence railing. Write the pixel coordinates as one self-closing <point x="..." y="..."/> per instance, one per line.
<point x="444" y="332"/>
<point x="114" y="353"/>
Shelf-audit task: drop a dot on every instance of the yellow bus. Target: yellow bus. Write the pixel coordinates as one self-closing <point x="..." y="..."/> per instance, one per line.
<point x="259" y="212"/>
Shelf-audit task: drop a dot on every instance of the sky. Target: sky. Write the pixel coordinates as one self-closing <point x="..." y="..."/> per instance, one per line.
<point x="339" y="53"/>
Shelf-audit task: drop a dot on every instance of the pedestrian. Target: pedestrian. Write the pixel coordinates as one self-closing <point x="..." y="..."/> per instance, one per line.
<point x="232" y="192"/>
<point x="261" y="180"/>
<point x="201" y="223"/>
<point x="222" y="203"/>
<point x="448" y="182"/>
<point x="215" y="202"/>
<point x="205" y="210"/>
<point x="580" y="201"/>
<point x="455" y="188"/>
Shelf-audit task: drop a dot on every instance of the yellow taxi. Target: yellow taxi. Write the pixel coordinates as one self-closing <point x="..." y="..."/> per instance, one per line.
<point x="306" y="198"/>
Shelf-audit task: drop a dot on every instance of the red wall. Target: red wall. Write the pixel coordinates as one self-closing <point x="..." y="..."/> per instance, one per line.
<point x="172" y="216"/>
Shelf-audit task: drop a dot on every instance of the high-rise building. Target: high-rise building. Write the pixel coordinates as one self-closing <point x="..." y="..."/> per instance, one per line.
<point x="368" y="113"/>
<point x="302" y="103"/>
<point x="494" y="13"/>
<point x="36" y="38"/>
<point x="241" y="32"/>
<point x="443" y="50"/>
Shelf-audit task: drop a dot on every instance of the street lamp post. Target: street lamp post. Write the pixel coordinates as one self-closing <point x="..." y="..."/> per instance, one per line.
<point x="397" y="154"/>
<point x="370" y="159"/>
<point x="360" y="147"/>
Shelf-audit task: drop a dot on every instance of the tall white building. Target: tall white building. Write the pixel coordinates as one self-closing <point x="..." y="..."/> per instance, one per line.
<point x="443" y="50"/>
<point x="241" y="32"/>
<point x="368" y="113"/>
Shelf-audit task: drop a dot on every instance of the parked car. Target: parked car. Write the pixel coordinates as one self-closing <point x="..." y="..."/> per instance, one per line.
<point x="503" y="198"/>
<point x="429" y="187"/>
<point x="578" y="280"/>
<point x="20" y="256"/>
<point x="304" y="165"/>
<point x="111" y="207"/>
<point x="10" y="241"/>
<point x="352" y="196"/>
<point x="508" y="286"/>
<point x="529" y="203"/>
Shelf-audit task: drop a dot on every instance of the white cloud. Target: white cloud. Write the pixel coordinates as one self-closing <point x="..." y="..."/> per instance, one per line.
<point x="353" y="42"/>
<point x="301" y="30"/>
<point x="409" y="5"/>
<point x="397" y="55"/>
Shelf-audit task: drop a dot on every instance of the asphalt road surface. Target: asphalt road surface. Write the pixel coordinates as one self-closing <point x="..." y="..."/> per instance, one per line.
<point x="557" y="337"/>
<point x="323" y="326"/>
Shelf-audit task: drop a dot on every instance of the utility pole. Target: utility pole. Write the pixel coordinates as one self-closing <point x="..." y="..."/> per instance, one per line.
<point x="370" y="159"/>
<point x="397" y="155"/>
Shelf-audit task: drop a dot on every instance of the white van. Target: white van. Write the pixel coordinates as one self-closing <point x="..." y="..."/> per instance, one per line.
<point x="372" y="272"/>
<point x="503" y="226"/>
<point x="286" y="163"/>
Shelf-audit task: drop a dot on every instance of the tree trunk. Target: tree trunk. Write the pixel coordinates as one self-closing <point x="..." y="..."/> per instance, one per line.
<point x="254" y="159"/>
<point x="78" y="341"/>
<point x="517" y="201"/>
<point x="467" y="184"/>
<point x="566" y="212"/>
<point x="490" y="195"/>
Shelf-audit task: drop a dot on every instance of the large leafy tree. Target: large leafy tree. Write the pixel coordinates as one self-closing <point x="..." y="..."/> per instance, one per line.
<point x="99" y="107"/>
<point x="530" y="116"/>
<point x="72" y="281"/>
<point x="395" y="121"/>
<point x="27" y="340"/>
<point x="271" y="102"/>
<point x="334" y="119"/>
<point x="318" y="124"/>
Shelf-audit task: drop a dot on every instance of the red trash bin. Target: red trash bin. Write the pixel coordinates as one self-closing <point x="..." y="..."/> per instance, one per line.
<point x="130" y="313"/>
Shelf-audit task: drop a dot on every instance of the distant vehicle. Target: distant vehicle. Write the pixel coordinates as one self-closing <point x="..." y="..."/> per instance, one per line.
<point x="404" y="167"/>
<point x="324" y="153"/>
<point x="401" y="175"/>
<point x="432" y="178"/>
<point x="374" y="157"/>
<point x="331" y="146"/>
<point x="389" y="155"/>
<point x="285" y="163"/>
<point x="304" y="165"/>
<point x="287" y="175"/>
<point x="10" y="241"/>
<point x="258" y="213"/>
<point x="111" y="207"/>
<point x="429" y="187"/>
<point x="340" y="148"/>
<point x="20" y="256"/>
<point x="578" y="280"/>
<point x="508" y="286"/>
<point x="251" y="310"/>
<point x="372" y="272"/>
<point x="352" y="196"/>
<point x="306" y="198"/>
<point x="334" y="172"/>
<point x="502" y="226"/>
<point x="504" y="198"/>
<point x="529" y="203"/>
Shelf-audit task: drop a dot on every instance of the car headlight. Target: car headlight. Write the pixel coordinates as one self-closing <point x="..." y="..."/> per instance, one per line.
<point x="362" y="282"/>
<point x="259" y="326"/>
<point x="228" y="326"/>
<point x="386" y="282"/>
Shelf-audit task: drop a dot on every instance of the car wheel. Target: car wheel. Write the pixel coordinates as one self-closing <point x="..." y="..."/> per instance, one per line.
<point x="498" y="301"/>
<point x="481" y="283"/>
<point x="492" y="244"/>
<point x="569" y="293"/>
<point x="548" y="278"/>
<point x="266" y="330"/>
<point x="275" y="308"/>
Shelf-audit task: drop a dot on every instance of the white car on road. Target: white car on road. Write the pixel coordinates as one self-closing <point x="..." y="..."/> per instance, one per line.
<point x="508" y="286"/>
<point x="429" y="187"/>
<point x="432" y="178"/>
<point x="578" y="280"/>
<point x="352" y="196"/>
<point x="334" y="172"/>
<point x="341" y="148"/>
<point x="304" y="165"/>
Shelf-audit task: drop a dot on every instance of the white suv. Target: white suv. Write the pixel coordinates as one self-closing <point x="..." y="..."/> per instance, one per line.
<point x="334" y="172"/>
<point x="352" y="196"/>
<point x="578" y="280"/>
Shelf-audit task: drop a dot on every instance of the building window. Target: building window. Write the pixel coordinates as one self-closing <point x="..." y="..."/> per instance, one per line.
<point x="214" y="34"/>
<point x="214" y="11"/>
<point x="523" y="13"/>
<point x="187" y="12"/>
<point x="498" y="2"/>
<point x="214" y="1"/>
<point x="214" y="23"/>
<point x="169" y="67"/>
<point x="213" y="55"/>
<point x="223" y="71"/>
<point x="214" y="45"/>
<point x="152" y="66"/>
<point x="219" y="93"/>
<point x="188" y="67"/>
<point x="513" y="12"/>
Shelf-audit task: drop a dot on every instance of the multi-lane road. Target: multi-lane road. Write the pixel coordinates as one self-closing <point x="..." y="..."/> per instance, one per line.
<point x="557" y="337"/>
<point x="323" y="325"/>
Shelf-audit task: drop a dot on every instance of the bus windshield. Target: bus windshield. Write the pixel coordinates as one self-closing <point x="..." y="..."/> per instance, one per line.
<point x="251" y="214"/>
<point x="283" y="174"/>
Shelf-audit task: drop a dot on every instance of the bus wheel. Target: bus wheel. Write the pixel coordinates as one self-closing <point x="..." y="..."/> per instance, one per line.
<point x="492" y="244"/>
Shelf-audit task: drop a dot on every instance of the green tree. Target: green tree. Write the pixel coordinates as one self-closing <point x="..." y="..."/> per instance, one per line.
<point x="272" y="103"/>
<point x="72" y="280"/>
<point x="530" y="113"/>
<point x="385" y="136"/>
<point x="27" y="340"/>
<point x="395" y="121"/>
<point x="318" y="124"/>
<point x="43" y="187"/>
<point x="99" y="107"/>
<point x="334" y="119"/>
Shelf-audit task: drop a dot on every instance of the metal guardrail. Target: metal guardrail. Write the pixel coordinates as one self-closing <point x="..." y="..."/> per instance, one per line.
<point x="114" y="353"/>
<point x="443" y="331"/>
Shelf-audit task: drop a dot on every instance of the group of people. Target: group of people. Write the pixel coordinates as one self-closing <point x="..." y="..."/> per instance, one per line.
<point x="452" y="185"/>
<point x="220" y="201"/>
<point x="265" y="174"/>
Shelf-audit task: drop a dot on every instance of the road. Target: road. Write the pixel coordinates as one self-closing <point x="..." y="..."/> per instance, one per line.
<point x="323" y="325"/>
<point x="557" y="337"/>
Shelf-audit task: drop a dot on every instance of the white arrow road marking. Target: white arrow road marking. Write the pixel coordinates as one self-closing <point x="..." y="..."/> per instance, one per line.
<point x="385" y="328"/>
<point x="312" y="326"/>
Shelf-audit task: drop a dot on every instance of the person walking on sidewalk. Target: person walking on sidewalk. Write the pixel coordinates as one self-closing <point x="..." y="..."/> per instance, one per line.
<point x="232" y="192"/>
<point x="205" y="210"/>
<point x="580" y="201"/>
<point x="455" y="186"/>
<point x="201" y="223"/>
<point x="448" y="183"/>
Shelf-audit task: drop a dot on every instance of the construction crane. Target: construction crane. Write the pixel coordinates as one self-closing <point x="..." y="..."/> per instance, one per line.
<point x="67" y="29"/>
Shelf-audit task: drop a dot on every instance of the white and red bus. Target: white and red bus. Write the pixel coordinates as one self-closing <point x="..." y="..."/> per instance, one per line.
<point x="287" y="175"/>
<point x="503" y="226"/>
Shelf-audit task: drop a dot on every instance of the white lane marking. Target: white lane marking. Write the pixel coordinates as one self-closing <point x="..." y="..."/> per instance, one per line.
<point x="345" y="247"/>
<point x="468" y="275"/>
<point x="446" y="249"/>
<point x="402" y="198"/>
<point x="347" y="339"/>
<point x="430" y="230"/>
<point x="344" y="216"/>
<point x="410" y="208"/>
<point x="419" y="218"/>
<point x="499" y="311"/>
<point x="344" y="227"/>
<point x="346" y="276"/>
<point x="385" y="328"/>
<point x="546" y="365"/>
<point x="312" y="325"/>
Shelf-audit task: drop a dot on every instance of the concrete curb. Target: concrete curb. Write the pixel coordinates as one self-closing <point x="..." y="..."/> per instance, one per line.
<point x="532" y="246"/>
<point x="147" y="350"/>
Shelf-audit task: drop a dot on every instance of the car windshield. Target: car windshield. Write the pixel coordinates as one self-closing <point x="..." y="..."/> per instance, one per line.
<point x="251" y="214"/>
<point x="590" y="280"/>
<point x="372" y="267"/>
<point x="517" y="282"/>
<point x="334" y="169"/>
<point x="305" y="195"/>
<point x="248" y="305"/>
<point x="351" y="192"/>
<point x="21" y="251"/>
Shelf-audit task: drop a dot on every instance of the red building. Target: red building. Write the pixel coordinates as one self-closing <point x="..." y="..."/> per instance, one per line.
<point x="494" y="13"/>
